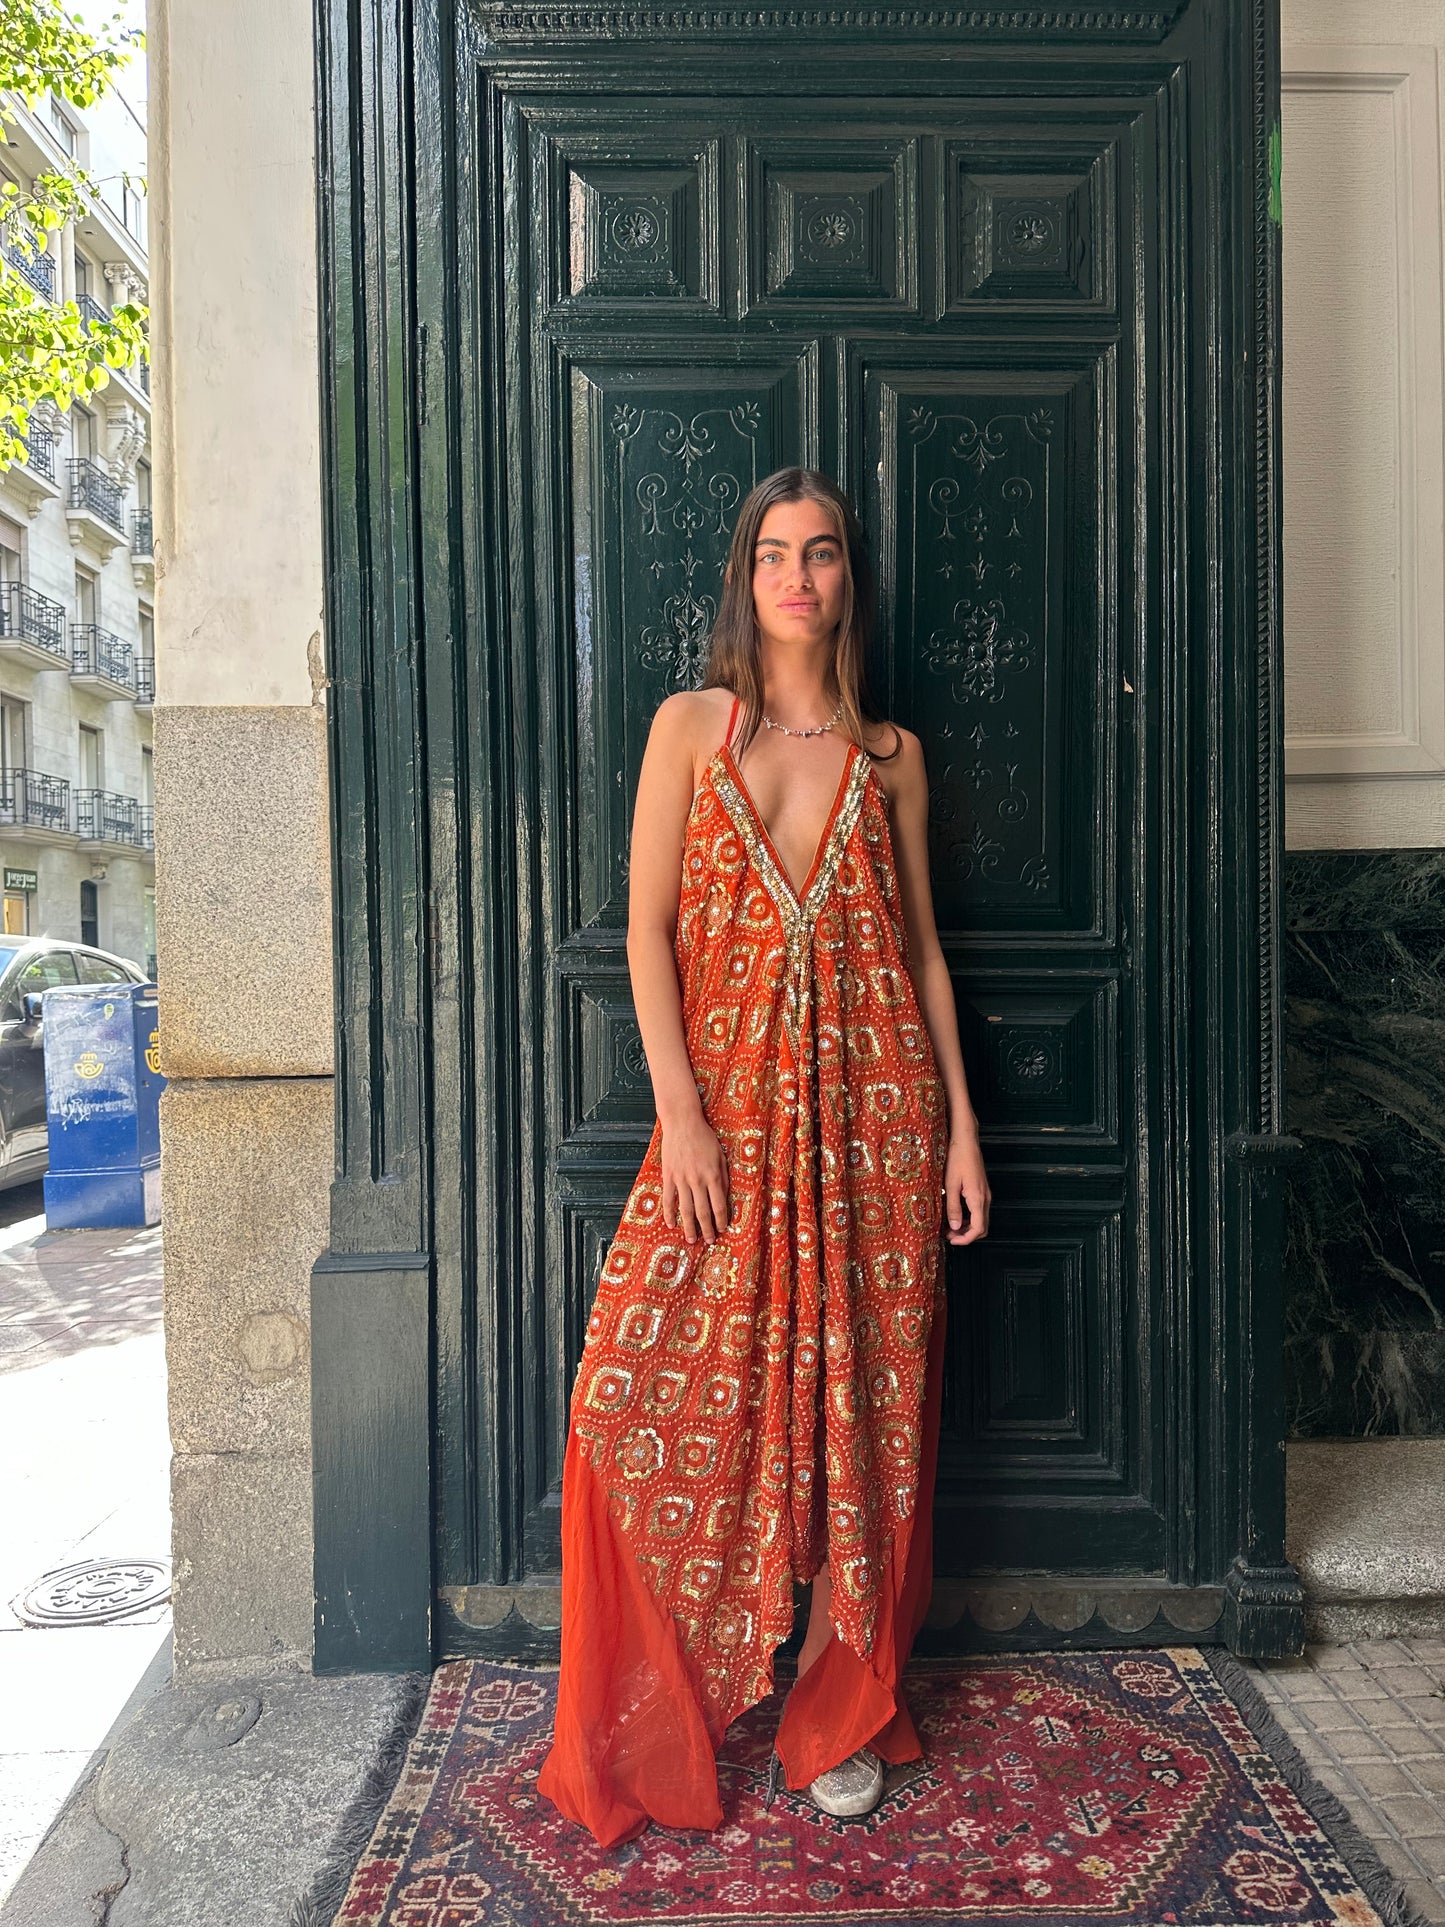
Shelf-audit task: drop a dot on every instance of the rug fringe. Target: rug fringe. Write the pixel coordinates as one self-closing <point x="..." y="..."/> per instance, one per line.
<point x="1384" y="1891"/>
<point x="327" y="1889"/>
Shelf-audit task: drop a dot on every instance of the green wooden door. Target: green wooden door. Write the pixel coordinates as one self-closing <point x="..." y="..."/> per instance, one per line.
<point x="989" y="279"/>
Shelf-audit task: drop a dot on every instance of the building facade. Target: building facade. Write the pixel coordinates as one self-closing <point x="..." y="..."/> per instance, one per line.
<point x="256" y="1078"/>
<point x="77" y="576"/>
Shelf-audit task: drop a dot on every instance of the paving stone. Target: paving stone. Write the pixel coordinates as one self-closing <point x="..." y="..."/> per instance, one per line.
<point x="1336" y="1780"/>
<point x="1413" y="1816"/>
<point x="1307" y="1687"/>
<point x="1431" y="1850"/>
<point x="1377" y="1777"/>
<point x="1361" y="1689"/>
<point x="1407" y="1682"/>
<point x="1426" y="1899"/>
<point x="1400" y="1860"/>
<point x="1430" y="1772"/>
<point x="1357" y="1744"/>
<point x="1330" y="1716"/>
<point x="1370" y="1821"/>
<point x="1334" y="1659"/>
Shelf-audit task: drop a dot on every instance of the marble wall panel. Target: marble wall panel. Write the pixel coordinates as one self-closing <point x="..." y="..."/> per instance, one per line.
<point x="1365" y="1090"/>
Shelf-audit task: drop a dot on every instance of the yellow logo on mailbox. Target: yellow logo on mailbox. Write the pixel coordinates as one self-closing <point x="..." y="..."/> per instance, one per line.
<point x="153" y="1052"/>
<point x="88" y="1064"/>
<point x="110" y="1010"/>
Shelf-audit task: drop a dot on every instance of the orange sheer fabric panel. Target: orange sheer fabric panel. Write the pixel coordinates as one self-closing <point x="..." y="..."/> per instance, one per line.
<point x="632" y="1743"/>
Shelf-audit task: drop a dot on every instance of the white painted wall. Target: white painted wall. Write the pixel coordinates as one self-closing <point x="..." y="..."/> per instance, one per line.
<point x="1364" y="426"/>
<point x="238" y="483"/>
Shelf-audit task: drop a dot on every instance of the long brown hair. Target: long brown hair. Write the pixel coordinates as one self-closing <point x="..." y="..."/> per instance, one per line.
<point x="734" y="656"/>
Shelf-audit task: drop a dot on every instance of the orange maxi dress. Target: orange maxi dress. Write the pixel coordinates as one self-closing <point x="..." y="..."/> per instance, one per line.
<point x="748" y="1408"/>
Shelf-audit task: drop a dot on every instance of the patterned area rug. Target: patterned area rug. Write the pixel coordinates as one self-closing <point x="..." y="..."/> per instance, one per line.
<point x="1145" y="1787"/>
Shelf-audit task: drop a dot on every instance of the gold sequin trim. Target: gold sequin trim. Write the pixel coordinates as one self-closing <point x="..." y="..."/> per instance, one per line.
<point x="797" y="917"/>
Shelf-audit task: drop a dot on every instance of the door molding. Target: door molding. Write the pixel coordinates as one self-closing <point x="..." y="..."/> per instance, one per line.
<point x="413" y="967"/>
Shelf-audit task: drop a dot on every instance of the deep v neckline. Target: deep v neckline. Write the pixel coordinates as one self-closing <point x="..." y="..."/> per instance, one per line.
<point x="798" y="892"/>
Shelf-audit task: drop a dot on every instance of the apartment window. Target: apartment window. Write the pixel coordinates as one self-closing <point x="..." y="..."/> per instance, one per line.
<point x="150" y="933"/>
<point x="66" y="131"/>
<point x="86" y="602"/>
<point x="10" y="550"/>
<point x="82" y="275"/>
<point x="147" y="777"/>
<point x="90" y="913"/>
<point x="82" y="431"/>
<point x="91" y="763"/>
<point x="147" y="632"/>
<point x="130" y="208"/>
<point x="143" y="486"/>
<point x="12" y="734"/>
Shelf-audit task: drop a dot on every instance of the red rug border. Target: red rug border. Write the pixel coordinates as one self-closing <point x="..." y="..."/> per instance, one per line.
<point x="1231" y="1701"/>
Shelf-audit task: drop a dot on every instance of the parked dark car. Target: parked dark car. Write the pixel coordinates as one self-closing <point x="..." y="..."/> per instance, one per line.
<point x="29" y="966"/>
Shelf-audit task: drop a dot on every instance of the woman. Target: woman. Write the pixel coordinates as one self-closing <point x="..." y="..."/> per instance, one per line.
<point x="758" y="1396"/>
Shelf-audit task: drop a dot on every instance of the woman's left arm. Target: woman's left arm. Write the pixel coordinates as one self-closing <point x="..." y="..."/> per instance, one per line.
<point x="965" y="1184"/>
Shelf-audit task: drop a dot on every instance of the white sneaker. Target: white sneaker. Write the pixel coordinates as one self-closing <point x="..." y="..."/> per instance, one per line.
<point x="852" y="1787"/>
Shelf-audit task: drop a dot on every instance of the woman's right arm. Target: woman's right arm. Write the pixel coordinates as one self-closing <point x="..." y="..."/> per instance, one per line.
<point x="694" y="1169"/>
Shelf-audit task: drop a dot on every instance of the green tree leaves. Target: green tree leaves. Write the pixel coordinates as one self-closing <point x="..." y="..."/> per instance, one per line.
<point x="49" y="348"/>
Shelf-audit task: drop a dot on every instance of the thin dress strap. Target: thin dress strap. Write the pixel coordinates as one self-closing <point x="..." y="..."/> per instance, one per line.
<point x="732" y="717"/>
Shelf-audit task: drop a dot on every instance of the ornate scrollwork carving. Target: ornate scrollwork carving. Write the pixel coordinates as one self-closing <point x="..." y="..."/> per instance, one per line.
<point x="685" y="506"/>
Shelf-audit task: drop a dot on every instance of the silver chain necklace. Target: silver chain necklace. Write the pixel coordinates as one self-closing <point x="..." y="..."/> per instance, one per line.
<point x="818" y="729"/>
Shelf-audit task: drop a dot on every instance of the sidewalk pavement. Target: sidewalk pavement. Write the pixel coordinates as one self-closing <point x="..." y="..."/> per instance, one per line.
<point x="150" y="1806"/>
<point x="129" y="1801"/>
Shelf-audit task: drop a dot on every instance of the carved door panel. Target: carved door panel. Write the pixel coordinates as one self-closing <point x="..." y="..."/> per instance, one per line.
<point x="957" y="288"/>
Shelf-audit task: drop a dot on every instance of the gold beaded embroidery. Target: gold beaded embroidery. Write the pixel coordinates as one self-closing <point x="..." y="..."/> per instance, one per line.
<point x="797" y="917"/>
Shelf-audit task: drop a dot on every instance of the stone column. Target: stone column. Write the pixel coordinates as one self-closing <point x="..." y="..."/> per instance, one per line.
<point x="242" y="840"/>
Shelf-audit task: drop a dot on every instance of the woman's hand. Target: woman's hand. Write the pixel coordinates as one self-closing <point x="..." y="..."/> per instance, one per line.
<point x="965" y="1189"/>
<point x="694" y="1179"/>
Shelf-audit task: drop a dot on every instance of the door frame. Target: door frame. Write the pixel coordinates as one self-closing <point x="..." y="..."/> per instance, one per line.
<point x="405" y="810"/>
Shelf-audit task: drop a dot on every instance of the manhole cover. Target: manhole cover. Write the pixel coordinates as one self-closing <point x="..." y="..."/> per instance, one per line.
<point x="94" y="1592"/>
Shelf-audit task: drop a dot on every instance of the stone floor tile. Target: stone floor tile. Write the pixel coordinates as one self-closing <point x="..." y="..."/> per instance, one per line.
<point x="1428" y="1708"/>
<point x="1431" y="1773"/>
<point x="1377" y="1777"/>
<point x="1412" y="1815"/>
<point x="1370" y="1821"/>
<point x="1306" y="1687"/>
<point x="1359" y="1688"/>
<point x="1337" y="1780"/>
<point x="1393" y="1656"/>
<point x="1330" y="1716"/>
<point x="1355" y="1744"/>
<point x="1407" y="1682"/>
<point x="1400" y="1860"/>
<point x="1334" y="1659"/>
<point x="1431" y="1850"/>
<point x="1426" y="1899"/>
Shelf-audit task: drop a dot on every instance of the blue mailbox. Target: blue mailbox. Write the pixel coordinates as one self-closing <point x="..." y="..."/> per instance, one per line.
<point x="102" y="1105"/>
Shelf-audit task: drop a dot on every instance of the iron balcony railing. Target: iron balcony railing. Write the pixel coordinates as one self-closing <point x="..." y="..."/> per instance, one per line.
<point x="148" y="826"/>
<point x="24" y="612"/>
<point x="90" y="308"/>
<point x="104" y="816"/>
<point x="142" y="537"/>
<point x="96" y="652"/>
<point x="30" y="797"/>
<point x="91" y="488"/>
<point x="38" y="269"/>
<point x="145" y="679"/>
<point x="40" y="452"/>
